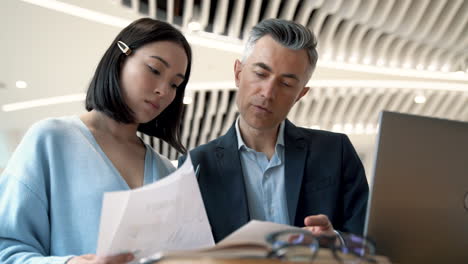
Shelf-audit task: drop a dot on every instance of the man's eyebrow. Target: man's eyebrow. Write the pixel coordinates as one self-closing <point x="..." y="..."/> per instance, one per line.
<point x="263" y="66"/>
<point x="162" y="60"/>
<point x="268" y="68"/>
<point x="290" y="75"/>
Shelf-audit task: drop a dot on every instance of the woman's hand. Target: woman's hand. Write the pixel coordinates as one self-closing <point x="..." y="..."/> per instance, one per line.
<point x="93" y="259"/>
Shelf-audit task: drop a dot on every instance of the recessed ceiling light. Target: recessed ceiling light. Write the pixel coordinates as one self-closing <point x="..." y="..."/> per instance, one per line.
<point x="359" y="128"/>
<point x="188" y="100"/>
<point x="337" y="128"/>
<point x="445" y="68"/>
<point x="420" y="99"/>
<point x="21" y="84"/>
<point x="348" y="128"/>
<point x="353" y="59"/>
<point x="194" y="26"/>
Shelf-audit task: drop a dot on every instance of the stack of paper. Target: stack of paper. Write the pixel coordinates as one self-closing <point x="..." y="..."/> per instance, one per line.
<point x="164" y="216"/>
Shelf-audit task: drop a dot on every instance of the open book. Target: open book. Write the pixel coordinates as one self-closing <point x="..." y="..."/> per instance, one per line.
<point x="246" y="242"/>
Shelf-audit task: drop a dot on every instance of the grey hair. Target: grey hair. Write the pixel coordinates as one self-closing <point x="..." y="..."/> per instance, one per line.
<point x="287" y="33"/>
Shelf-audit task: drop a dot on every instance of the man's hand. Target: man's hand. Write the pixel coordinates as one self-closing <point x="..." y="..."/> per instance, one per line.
<point x="319" y="225"/>
<point x="93" y="259"/>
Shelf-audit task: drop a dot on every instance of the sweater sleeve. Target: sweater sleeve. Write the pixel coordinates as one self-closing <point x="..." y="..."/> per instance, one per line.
<point x="25" y="225"/>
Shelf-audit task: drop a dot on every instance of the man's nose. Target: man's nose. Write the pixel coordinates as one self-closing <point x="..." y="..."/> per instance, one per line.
<point x="268" y="89"/>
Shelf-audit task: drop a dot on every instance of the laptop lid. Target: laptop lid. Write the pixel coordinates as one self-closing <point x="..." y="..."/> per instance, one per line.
<point x="418" y="207"/>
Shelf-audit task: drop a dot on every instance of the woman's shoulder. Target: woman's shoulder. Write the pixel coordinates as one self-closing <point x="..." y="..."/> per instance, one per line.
<point x="32" y="155"/>
<point x="52" y="127"/>
<point x="54" y="124"/>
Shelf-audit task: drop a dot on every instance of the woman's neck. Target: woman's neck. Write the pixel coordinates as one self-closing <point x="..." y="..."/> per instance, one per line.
<point x="100" y="123"/>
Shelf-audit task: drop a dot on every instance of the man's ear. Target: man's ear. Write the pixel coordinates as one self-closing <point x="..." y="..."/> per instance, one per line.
<point x="237" y="71"/>
<point x="303" y="92"/>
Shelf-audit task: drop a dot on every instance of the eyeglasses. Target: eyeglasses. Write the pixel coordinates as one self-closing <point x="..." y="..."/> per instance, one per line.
<point x="301" y="245"/>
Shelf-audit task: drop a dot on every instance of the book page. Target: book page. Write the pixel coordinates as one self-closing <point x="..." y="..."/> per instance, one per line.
<point x="255" y="232"/>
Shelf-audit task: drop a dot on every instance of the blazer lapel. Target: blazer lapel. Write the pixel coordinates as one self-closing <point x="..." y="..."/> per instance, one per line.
<point x="295" y="158"/>
<point x="230" y="172"/>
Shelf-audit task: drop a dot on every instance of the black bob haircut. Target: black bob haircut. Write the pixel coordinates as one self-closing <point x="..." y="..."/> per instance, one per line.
<point x="105" y="94"/>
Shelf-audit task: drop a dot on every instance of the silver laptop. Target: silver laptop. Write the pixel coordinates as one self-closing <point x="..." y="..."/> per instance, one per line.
<point x="418" y="207"/>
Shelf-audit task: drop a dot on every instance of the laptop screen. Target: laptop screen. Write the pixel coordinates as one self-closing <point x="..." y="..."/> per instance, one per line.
<point x="417" y="211"/>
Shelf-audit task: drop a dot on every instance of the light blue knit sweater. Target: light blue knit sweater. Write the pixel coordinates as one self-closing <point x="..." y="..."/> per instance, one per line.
<point x="51" y="192"/>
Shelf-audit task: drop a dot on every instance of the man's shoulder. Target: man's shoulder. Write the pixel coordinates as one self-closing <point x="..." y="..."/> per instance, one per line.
<point x="309" y="133"/>
<point x="202" y="153"/>
<point x="207" y="147"/>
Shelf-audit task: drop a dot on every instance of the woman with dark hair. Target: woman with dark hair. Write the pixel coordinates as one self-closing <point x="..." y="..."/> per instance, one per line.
<point x="52" y="189"/>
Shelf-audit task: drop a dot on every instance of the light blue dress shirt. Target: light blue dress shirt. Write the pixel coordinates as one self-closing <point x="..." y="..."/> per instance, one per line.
<point x="264" y="180"/>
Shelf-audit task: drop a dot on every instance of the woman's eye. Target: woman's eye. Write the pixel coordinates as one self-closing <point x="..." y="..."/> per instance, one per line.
<point x="174" y="86"/>
<point x="286" y="84"/>
<point x="153" y="70"/>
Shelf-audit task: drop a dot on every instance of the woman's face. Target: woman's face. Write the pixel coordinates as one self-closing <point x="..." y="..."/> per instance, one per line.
<point x="150" y="77"/>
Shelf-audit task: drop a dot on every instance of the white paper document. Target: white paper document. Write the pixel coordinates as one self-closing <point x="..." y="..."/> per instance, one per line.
<point x="255" y="232"/>
<point x="164" y="216"/>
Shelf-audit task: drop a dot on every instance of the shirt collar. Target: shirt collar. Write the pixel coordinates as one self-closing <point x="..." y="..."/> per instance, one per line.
<point x="279" y="139"/>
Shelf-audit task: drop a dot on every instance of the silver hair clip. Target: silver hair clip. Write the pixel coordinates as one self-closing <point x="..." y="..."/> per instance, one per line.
<point x="124" y="48"/>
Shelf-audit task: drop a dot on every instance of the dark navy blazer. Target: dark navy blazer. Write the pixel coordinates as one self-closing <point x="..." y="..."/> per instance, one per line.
<point x="324" y="175"/>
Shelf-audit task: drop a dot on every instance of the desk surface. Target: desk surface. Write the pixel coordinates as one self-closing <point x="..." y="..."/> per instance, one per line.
<point x="251" y="261"/>
<point x="323" y="258"/>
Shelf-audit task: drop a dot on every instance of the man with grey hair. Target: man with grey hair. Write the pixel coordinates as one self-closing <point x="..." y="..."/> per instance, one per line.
<point x="265" y="167"/>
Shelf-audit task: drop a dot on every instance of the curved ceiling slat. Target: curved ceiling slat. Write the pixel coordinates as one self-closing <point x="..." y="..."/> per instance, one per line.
<point x="252" y="16"/>
<point x="428" y="20"/>
<point x="396" y="16"/>
<point x="382" y="11"/>
<point x="447" y="14"/>
<point x="415" y="13"/>
<point x="289" y="10"/>
<point x="236" y="19"/>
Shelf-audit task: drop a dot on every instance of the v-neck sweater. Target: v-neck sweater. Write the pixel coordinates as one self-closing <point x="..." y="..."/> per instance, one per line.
<point x="52" y="189"/>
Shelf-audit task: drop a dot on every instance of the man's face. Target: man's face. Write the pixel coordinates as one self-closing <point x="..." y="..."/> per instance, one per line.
<point x="270" y="81"/>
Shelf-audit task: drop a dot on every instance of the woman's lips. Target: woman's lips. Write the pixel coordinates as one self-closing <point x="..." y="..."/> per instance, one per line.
<point x="153" y="104"/>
